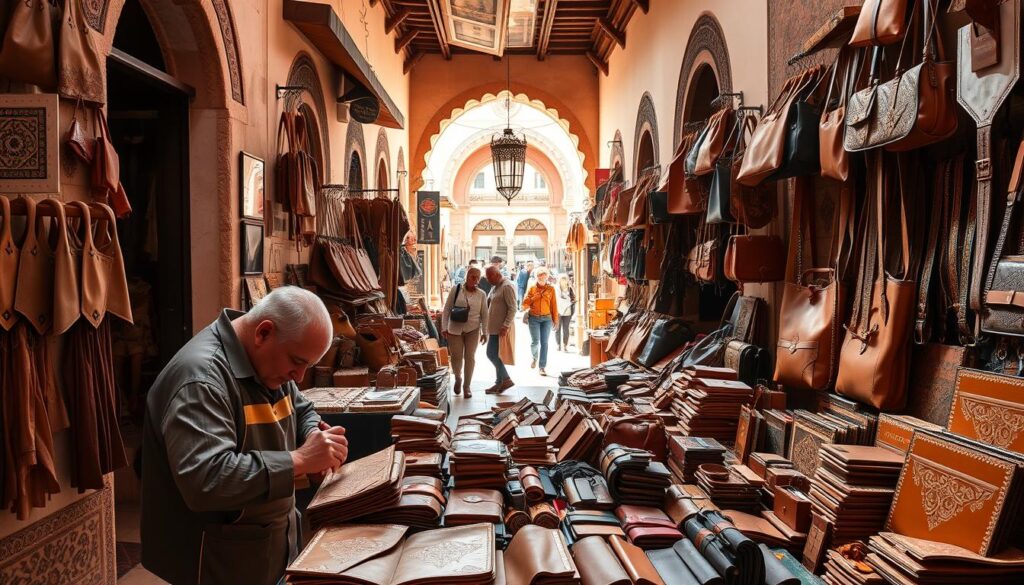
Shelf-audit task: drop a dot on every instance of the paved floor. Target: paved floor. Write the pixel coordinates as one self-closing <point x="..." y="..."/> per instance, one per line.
<point x="529" y="383"/>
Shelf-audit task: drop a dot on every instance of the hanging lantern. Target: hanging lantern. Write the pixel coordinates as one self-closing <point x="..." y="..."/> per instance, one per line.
<point x="508" y="155"/>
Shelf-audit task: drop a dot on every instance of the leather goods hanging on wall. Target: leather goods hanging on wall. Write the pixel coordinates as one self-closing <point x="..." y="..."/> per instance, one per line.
<point x="81" y="144"/>
<point x="1003" y="312"/>
<point x="755" y="258"/>
<point x="691" y="157"/>
<point x="657" y="205"/>
<point x="79" y="67"/>
<point x="802" y="154"/>
<point x="106" y="168"/>
<point x="683" y="199"/>
<point x="981" y="90"/>
<point x="720" y="130"/>
<point x="875" y="356"/>
<point x="833" y="158"/>
<point x="751" y="206"/>
<point x="912" y="110"/>
<point x="28" y="53"/>
<point x="811" y="312"/>
<point x="881" y="22"/>
<point x="766" y="150"/>
<point x="720" y="202"/>
<point x="638" y="205"/>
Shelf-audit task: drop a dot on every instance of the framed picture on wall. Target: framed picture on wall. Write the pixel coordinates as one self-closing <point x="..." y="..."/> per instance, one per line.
<point x="252" y="247"/>
<point x="252" y="186"/>
<point x="30" y="152"/>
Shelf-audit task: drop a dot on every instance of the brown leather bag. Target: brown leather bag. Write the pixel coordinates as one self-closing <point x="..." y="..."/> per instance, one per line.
<point x="645" y="431"/>
<point x="638" y="205"/>
<point x="765" y="152"/>
<point x="106" y="168"/>
<point x="683" y="199"/>
<point x="720" y="127"/>
<point x="834" y="160"/>
<point x="755" y="258"/>
<point x="28" y="53"/>
<point x="914" y="109"/>
<point x="81" y="144"/>
<point x="1003" y="311"/>
<point x="80" y="68"/>
<point x="375" y="347"/>
<point x="702" y="260"/>
<point x="881" y="22"/>
<point x="811" y="312"/>
<point x="874" y="361"/>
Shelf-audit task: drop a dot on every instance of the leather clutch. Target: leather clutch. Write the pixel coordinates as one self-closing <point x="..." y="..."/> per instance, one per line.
<point x="538" y="556"/>
<point x="469" y="506"/>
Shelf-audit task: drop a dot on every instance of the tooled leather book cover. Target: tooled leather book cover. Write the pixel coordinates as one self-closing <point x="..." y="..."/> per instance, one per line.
<point x="988" y="407"/>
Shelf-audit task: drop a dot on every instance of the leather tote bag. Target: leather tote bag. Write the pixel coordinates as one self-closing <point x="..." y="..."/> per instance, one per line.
<point x="833" y="158"/>
<point x="915" y="108"/>
<point x="801" y="154"/>
<point x="813" y="299"/>
<point x="720" y="202"/>
<point x="766" y="150"/>
<point x="874" y="361"/>
<point x="28" y="53"/>
<point x="106" y="169"/>
<point x="691" y="157"/>
<point x="1003" y="309"/>
<point x="720" y="128"/>
<point x="755" y="258"/>
<point x="80" y="69"/>
<point x="880" y="22"/>
<point x="682" y="198"/>
<point x="665" y="337"/>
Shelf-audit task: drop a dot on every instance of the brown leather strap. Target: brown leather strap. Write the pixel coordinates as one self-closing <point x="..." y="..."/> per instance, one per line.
<point x="968" y="336"/>
<point x="1005" y="298"/>
<point x="922" y="329"/>
<point x="983" y="174"/>
<point x="1012" y="197"/>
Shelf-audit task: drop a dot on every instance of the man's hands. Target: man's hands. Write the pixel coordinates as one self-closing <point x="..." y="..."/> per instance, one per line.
<point x="324" y="449"/>
<point x="483" y="338"/>
<point x="503" y="332"/>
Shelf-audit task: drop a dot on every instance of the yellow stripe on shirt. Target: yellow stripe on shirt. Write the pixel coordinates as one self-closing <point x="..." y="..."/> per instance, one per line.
<point x="258" y="414"/>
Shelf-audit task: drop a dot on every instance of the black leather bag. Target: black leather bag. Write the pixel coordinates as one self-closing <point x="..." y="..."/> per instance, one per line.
<point x="657" y="204"/>
<point x="720" y="198"/>
<point x="666" y="336"/>
<point x="691" y="157"/>
<point x="459" y="314"/>
<point x="752" y="363"/>
<point x="802" y="156"/>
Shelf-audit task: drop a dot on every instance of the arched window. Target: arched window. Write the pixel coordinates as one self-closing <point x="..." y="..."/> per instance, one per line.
<point x="355" y="172"/>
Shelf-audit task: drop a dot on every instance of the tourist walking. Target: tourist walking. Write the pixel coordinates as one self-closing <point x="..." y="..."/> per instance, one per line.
<point x="541" y="302"/>
<point x="566" y="308"/>
<point x="501" y="314"/>
<point x="464" y="322"/>
<point x="522" y="279"/>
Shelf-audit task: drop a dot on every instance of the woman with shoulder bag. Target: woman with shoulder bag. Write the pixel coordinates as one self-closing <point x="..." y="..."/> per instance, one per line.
<point x="566" y="307"/>
<point x="542" y="306"/>
<point x="464" y="322"/>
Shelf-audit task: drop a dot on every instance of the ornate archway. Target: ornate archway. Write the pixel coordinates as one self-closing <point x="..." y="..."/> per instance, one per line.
<point x="645" y="140"/>
<point x="383" y="158"/>
<point x="303" y="74"/>
<point x="706" y="47"/>
<point x="355" y="144"/>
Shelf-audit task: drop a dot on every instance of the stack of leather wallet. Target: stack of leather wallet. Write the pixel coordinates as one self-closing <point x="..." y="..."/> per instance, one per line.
<point x="647" y="527"/>
<point x="434" y="387"/>
<point x="710" y="407"/>
<point x="428" y="464"/>
<point x="588" y="493"/>
<point x="470" y="506"/>
<point x="421" y="504"/>
<point x="686" y="454"/>
<point x="853" y="489"/>
<point x="420" y="434"/>
<point x="478" y="463"/>
<point x="539" y="556"/>
<point x="579" y="524"/>
<point x="359" y="488"/>
<point x="543" y="514"/>
<point x="907" y="560"/>
<point x="633" y="475"/>
<point x="812" y="430"/>
<point x="530" y="446"/>
<point x="378" y="554"/>
<point x="850" y="568"/>
<point x="729" y="489"/>
<point x="735" y="557"/>
<point x="583" y="442"/>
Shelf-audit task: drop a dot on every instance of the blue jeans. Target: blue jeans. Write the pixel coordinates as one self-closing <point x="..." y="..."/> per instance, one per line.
<point x="494" y="354"/>
<point x="540" y="332"/>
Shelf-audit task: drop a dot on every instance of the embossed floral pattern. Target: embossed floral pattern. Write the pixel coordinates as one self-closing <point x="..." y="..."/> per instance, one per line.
<point x="944" y="495"/>
<point x="998" y="424"/>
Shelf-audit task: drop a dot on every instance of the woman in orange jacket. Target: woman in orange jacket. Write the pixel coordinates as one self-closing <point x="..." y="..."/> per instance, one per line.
<point x="542" y="304"/>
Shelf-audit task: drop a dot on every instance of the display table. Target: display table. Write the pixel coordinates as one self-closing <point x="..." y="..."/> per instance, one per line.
<point x="365" y="413"/>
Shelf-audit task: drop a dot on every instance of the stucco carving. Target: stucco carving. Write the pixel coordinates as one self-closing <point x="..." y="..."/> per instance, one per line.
<point x="789" y="23"/>
<point x="303" y="74"/>
<point x="383" y="152"/>
<point x="227" y="31"/>
<point x="355" y="142"/>
<point x="646" y="120"/>
<point x="706" y="35"/>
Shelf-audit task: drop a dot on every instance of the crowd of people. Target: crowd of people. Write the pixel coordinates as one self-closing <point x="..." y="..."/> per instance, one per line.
<point x="482" y="305"/>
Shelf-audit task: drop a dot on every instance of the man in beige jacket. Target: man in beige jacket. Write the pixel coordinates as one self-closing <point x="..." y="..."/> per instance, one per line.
<point x="501" y="313"/>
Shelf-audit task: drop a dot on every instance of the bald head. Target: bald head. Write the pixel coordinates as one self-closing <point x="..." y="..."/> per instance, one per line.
<point x="293" y="311"/>
<point x="493" y="275"/>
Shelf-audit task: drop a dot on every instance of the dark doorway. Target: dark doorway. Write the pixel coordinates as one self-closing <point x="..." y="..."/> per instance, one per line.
<point x="355" y="172"/>
<point x="149" y="123"/>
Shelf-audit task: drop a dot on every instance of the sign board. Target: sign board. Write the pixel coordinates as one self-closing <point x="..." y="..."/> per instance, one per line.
<point x="364" y="110"/>
<point x="428" y="217"/>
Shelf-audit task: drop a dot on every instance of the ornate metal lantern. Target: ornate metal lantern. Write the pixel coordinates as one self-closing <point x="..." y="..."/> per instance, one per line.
<point x="508" y="156"/>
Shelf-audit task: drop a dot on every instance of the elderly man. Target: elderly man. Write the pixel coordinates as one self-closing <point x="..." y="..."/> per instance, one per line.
<point x="501" y="313"/>
<point x="226" y="434"/>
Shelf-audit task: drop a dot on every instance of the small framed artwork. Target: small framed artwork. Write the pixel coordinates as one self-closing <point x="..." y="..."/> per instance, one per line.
<point x="252" y="186"/>
<point x="255" y="288"/>
<point x="252" y="247"/>
<point x="30" y="148"/>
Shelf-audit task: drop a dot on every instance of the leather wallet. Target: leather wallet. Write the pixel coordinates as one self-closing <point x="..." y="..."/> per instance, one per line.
<point x="470" y="506"/>
<point x="539" y="556"/>
<point x="597" y="563"/>
<point x="588" y="493"/>
<point x="635" y="562"/>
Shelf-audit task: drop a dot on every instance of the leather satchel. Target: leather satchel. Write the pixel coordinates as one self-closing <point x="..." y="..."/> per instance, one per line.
<point x="755" y="258"/>
<point x="106" y="169"/>
<point x="833" y="158"/>
<point x="720" y="202"/>
<point x="914" y="109"/>
<point x="1003" y="312"/>
<point x="766" y="150"/>
<point x="702" y="261"/>
<point x="28" y="51"/>
<point x="666" y="336"/>
<point x="881" y="22"/>
<point x="683" y="197"/>
<point x="720" y="130"/>
<point x="645" y="432"/>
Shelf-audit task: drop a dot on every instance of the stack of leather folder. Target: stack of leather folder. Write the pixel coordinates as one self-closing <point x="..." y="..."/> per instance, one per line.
<point x="378" y="554"/>
<point x="539" y="556"/>
<point x="729" y="489"/>
<point x="573" y="433"/>
<point x="530" y="446"/>
<point x="634" y="477"/>
<point x="688" y="453"/>
<point x="853" y="489"/>
<point x="580" y="524"/>
<point x="428" y="464"/>
<point x="907" y="560"/>
<point x="417" y="434"/>
<point x="420" y="507"/>
<point x="434" y="388"/>
<point x="710" y="407"/>
<point x="359" y="488"/>
<point x="647" y="527"/>
<point x="479" y="463"/>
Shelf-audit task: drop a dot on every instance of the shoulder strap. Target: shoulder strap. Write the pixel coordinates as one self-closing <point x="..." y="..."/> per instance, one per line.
<point x="922" y="328"/>
<point x="1012" y="198"/>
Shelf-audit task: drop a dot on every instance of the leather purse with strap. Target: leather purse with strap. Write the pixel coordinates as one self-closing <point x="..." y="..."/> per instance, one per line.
<point x="1003" y="311"/>
<point x="881" y="22"/>
<point x="683" y="199"/>
<point x="79" y="68"/>
<point x="720" y="130"/>
<point x="755" y="258"/>
<point x="28" y="51"/>
<point x="765" y="153"/>
<point x="833" y="158"/>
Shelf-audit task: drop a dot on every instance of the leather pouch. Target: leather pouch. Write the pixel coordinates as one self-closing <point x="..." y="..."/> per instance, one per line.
<point x="469" y="506"/>
<point x="28" y="51"/>
<point x="538" y="555"/>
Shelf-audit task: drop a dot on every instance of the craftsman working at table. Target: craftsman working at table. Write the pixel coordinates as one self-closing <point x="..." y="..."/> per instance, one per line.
<point x="226" y="434"/>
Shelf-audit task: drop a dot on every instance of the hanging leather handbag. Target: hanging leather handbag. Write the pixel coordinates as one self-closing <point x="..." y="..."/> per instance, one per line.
<point x="802" y="153"/>
<point x="810" y="314"/>
<point x="691" y="157"/>
<point x="638" y="206"/>
<point x="1003" y="311"/>
<point x="657" y="204"/>
<point x="874" y="361"/>
<point x="833" y="158"/>
<point x="720" y="195"/>
<point x="765" y="152"/>
<point x="880" y="22"/>
<point x="701" y="260"/>
<point x="622" y="206"/>
<point x="28" y="53"/>
<point x="79" y="143"/>
<point x="654" y="255"/>
<point x="458" y="314"/>
<point x="106" y="169"/>
<point x="665" y="337"/>
<point x="720" y="129"/>
<point x="682" y="198"/>
<point x="755" y="258"/>
<point x="79" y="66"/>
<point x="374" y="349"/>
<point x="914" y="109"/>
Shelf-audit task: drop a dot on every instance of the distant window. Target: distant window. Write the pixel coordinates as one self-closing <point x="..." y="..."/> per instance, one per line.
<point x="539" y="182"/>
<point x="478" y="181"/>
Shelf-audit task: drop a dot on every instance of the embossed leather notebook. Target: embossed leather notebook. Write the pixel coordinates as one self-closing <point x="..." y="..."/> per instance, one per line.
<point x="958" y="492"/>
<point x="359" y="488"/>
<point x="988" y="407"/>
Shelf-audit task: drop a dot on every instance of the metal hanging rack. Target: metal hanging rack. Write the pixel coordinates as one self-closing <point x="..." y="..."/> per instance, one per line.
<point x="286" y="91"/>
<point x="725" y="99"/>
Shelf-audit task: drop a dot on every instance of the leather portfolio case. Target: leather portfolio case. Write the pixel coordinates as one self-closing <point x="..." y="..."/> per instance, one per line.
<point x="988" y="407"/>
<point x="470" y="506"/>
